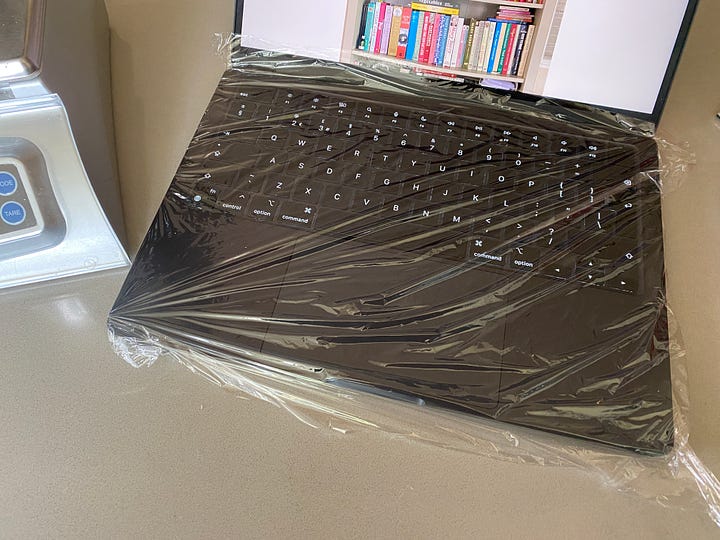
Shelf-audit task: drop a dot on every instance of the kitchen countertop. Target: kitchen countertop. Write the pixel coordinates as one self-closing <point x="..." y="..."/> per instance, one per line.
<point x="95" y="448"/>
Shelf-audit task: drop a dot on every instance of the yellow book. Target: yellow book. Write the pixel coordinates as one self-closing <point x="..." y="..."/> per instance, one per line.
<point x="437" y="6"/>
<point x="395" y="30"/>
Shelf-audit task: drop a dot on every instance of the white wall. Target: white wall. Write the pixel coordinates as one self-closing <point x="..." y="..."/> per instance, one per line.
<point x="614" y="53"/>
<point x="305" y="27"/>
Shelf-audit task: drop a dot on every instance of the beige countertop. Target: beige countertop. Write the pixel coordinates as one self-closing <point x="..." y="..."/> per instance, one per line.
<point x="94" y="448"/>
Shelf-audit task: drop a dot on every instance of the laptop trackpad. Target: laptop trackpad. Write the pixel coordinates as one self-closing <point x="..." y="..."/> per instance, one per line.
<point x="423" y="326"/>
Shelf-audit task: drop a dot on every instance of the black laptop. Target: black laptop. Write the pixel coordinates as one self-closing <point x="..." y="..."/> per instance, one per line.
<point x="426" y="240"/>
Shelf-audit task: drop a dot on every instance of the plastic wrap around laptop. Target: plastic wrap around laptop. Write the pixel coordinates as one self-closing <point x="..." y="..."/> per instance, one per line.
<point x="426" y="258"/>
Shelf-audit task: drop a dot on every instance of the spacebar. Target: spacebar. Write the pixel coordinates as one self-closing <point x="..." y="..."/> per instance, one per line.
<point x="444" y="242"/>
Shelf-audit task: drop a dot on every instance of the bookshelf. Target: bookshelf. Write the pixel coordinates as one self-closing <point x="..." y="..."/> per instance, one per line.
<point x="547" y="16"/>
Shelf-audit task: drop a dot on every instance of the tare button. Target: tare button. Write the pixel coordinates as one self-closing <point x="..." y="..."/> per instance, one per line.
<point x="12" y="213"/>
<point x="8" y="183"/>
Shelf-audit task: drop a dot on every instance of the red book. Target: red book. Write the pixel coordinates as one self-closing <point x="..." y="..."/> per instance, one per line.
<point x="380" y="25"/>
<point x="431" y="40"/>
<point x="424" y="44"/>
<point x="510" y="48"/>
<point x="404" y="32"/>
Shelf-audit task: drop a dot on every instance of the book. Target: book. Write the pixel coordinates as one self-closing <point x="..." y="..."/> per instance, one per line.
<point x="483" y="47"/>
<point x="437" y="6"/>
<point x="379" y="27"/>
<point x="435" y="28"/>
<point x="449" y="49"/>
<point x="482" y="65"/>
<point x="412" y="34"/>
<point x="456" y="43"/>
<point x="387" y="25"/>
<point x="477" y="45"/>
<point x="522" y="33"/>
<point x="404" y="36"/>
<point x="510" y="52"/>
<point x="494" y="46"/>
<point x="527" y="47"/>
<point x="463" y="44"/>
<point x="419" y="35"/>
<point x="428" y="39"/>
<point x="394" y="37"/>
<point x="424" y="47"/>
<point x="442" y="40"/>
<point x="363" y="35"/>
<point x="469" y="44"/>
<point x="369" y="25"/>
<point x="502" y="46"/>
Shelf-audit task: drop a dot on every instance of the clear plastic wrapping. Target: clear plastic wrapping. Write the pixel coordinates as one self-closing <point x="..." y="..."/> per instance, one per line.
<point x="337" y="236"/>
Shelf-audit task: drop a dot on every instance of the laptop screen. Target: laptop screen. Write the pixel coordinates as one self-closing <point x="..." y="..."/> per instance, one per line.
<point x="614" y="54"/>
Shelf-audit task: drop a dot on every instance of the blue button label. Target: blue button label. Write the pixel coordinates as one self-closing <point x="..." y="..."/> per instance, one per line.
<point x="8" y="183"/>
<point x="12" y="213"/>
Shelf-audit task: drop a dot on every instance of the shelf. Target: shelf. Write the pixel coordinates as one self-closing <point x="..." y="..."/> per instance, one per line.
<point x="511" y="3"/>
<point x="438" y="69"/>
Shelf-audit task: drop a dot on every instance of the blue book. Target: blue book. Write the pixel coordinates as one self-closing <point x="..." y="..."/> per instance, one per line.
<point x="369" y="20"/>
<point x="494" y="46"/>
<point x="442" y="40"/>
<point x="412" y="35"/>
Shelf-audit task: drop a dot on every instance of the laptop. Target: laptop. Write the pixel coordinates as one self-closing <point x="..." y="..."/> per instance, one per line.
<point x="424" y="240"/>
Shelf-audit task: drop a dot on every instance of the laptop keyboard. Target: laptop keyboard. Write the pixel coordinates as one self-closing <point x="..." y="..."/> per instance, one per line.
<point x="513" y="198"/>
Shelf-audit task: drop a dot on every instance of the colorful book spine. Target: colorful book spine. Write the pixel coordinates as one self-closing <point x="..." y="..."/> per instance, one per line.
<point x="363" y="35"/>
<point x="387" y="26"/>
<point x="469" y="44"/>
<point x="463" y="44"/>
<point x="394" y="38"/>
<point x="477" y="45"/>
<point x="369" y="25"/>
<point x="494" y="47"/>
<point x="456" y="43"/>
<point x="432" y="37"/>
<point x="483" y="46"/>
<point x="502" y="46"/>
<point x="434" y="41"/>
<point x="426" y="37"/>
<point x="489" y="33"/>
<point x="419" y="36"/>
<point x="442" y="40"/>
<point x="412" y="34"/>
<point x="452" y="32"/>
<point x="434" y="6"/>
<point x="510" y="53"/>
<point x="527" y="48"/>
<point x="522" y="34"/>
<point x="404" y="37"/>
<point x="379" y="27"/>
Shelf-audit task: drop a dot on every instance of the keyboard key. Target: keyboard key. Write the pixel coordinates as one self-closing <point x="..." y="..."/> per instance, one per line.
<point x="419" y="188"/>
<point x="487" y="251"/>
<point x="559" y="264"/>
<point x="525" y="257"/>
<point x="367" y="202"/>
<point x="337" y="197"/>
<point x="250" y="182"/>
<point x="296" y="215"/>
<point x="262" y="207"/>
<point x="234" y="202"/>
<point x="337" y="221"/>
<point x="302" y="166"/>
<point x="277" y="186"/>
<point x="308" y="191"/>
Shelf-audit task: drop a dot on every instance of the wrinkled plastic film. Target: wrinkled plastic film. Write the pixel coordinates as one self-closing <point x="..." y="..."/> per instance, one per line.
<point x="462" y="320"/>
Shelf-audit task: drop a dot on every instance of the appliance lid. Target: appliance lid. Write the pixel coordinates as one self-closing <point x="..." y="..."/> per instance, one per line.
<point x="21" y="34"/>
